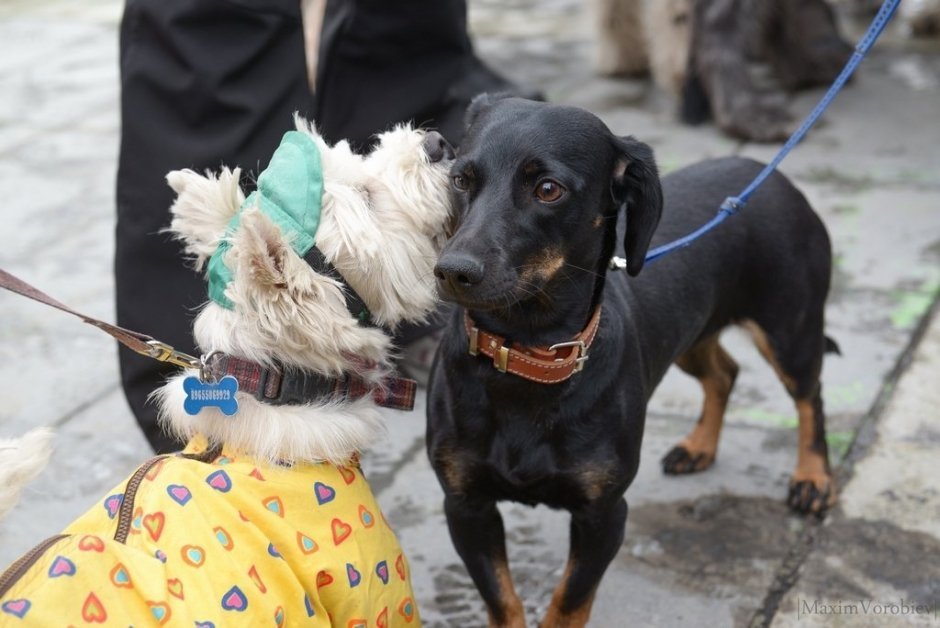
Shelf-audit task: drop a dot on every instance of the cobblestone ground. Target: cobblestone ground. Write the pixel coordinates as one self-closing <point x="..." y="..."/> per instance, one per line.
<point x="716" y="549"/>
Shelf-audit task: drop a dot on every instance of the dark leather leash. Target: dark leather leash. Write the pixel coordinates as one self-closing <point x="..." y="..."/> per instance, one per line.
<point x="274" y="385"/>
<point x="135" y="341"/>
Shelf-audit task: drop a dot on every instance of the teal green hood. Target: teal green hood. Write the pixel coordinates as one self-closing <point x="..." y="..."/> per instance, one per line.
<point x="290" y="193"/>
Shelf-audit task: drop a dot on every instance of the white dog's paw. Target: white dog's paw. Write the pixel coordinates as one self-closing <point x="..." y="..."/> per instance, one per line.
<point x="21" y="460"/>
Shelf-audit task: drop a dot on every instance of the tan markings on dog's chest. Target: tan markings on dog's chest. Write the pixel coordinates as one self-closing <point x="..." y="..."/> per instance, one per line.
<point x="543" y="265"/>
<point x="594" y="480"/>
<point x="454" y="468"/>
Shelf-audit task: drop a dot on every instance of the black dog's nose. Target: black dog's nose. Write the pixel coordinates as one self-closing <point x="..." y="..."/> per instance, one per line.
<point x="437" y="147"/>
<point x="460" y="271"/>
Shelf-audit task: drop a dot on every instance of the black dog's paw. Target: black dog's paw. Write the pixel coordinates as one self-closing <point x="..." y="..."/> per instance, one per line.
<point x="811" y="497"/>
<point x="679" y="461"/>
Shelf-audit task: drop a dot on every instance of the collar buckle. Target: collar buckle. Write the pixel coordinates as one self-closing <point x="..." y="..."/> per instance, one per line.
<point x="582" y="353"/>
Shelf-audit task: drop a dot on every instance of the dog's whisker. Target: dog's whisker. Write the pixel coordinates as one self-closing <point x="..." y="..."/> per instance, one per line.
<point x="584" y="270"/>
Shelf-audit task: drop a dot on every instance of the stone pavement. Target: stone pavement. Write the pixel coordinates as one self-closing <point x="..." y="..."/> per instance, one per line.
<point x="715" y="549"/>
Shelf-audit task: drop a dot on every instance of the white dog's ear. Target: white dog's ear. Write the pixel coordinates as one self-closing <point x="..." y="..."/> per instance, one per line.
<point x="277" y="287"/>
<point x="263" y="251"/>
<point x="265" y="264"/>
<point x="202" y="210"/>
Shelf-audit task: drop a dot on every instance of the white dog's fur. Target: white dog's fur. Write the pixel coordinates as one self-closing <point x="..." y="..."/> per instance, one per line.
<point x="21" y="460"/>
<point x="383" y="220"/>
<point x="382" y="223"/>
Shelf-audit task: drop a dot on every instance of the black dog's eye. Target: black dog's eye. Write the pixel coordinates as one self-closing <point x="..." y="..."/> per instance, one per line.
<point x="549" y="191"/>
<point x="461" y="182"/>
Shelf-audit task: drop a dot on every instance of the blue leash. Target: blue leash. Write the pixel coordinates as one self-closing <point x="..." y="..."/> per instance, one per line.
<point x="732" y="204"/>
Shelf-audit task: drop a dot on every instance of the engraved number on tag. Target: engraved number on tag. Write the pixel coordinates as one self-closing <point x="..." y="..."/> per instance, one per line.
<point x="201" y="395"/>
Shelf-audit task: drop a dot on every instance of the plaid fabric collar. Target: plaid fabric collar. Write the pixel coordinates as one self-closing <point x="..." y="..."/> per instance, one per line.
<point x="279" y="386"/>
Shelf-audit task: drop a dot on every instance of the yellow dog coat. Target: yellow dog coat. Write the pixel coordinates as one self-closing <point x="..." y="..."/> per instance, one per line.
<point x="217" y="540"/>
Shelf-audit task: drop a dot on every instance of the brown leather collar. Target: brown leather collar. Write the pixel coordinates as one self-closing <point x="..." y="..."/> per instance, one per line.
<point x="546" y="365"/>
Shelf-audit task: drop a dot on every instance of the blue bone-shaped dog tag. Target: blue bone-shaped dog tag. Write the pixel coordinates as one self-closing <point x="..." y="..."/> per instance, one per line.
<point x="201" y="395"/>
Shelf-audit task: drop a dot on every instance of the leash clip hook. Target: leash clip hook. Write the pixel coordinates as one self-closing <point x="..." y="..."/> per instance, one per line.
<point x="165" y="353"/>
<point x="205" y="368"/>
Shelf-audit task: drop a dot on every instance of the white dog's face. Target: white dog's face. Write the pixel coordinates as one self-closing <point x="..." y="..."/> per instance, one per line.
<point x="387" y="249"/>
<point x="383" y="222"/>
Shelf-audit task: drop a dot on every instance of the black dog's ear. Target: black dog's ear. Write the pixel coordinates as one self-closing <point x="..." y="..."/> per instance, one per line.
<point x="481" y="103"/>
<point x="635" y="186"/>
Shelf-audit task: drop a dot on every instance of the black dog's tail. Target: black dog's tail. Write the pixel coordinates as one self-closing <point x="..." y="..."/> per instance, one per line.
<point x="832" y="346"/>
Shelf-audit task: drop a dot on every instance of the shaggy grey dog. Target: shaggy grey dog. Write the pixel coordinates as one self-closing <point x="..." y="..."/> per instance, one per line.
<point x="703" y="52"/>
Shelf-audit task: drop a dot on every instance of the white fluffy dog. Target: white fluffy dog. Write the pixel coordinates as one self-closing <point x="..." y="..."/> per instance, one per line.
<point x="271" y="496"/>
<point x="383" y="221"/>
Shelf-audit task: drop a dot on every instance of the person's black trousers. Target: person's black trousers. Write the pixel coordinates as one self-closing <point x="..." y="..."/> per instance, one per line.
<point x="206" y="83"/>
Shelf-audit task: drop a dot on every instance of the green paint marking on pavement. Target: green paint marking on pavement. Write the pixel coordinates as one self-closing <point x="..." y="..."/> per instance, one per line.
<point x="846" y="209"/>
<point x="839" y="443"/>
<point x="845" y="394"/>
<point x="912" y="305"/>
<point x="934" y="249"/>
<point x="779" y="420"/>
<point x="830" y="176"/>
<point x="916" y="176"/>
<point x="668" y="165"/>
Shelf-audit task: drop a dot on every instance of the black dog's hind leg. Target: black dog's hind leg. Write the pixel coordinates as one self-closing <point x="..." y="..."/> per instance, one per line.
<point x="812" y="487"/>
<point x="797" y="358"/>
<point x="708" y="362"/>
<point x="476" y="529"/>
<point x="596" y="535"/>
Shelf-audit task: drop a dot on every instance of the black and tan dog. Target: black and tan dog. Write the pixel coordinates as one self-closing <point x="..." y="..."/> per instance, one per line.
<point x="539" y="391"/>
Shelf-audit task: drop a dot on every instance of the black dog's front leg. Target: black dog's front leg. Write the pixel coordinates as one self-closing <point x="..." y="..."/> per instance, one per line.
<point x="476" y="529"/>
<point x="596" y="536"/>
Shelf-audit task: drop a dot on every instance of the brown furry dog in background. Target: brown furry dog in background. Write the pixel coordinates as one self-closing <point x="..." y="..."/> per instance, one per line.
<point x="701" y="52"/>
